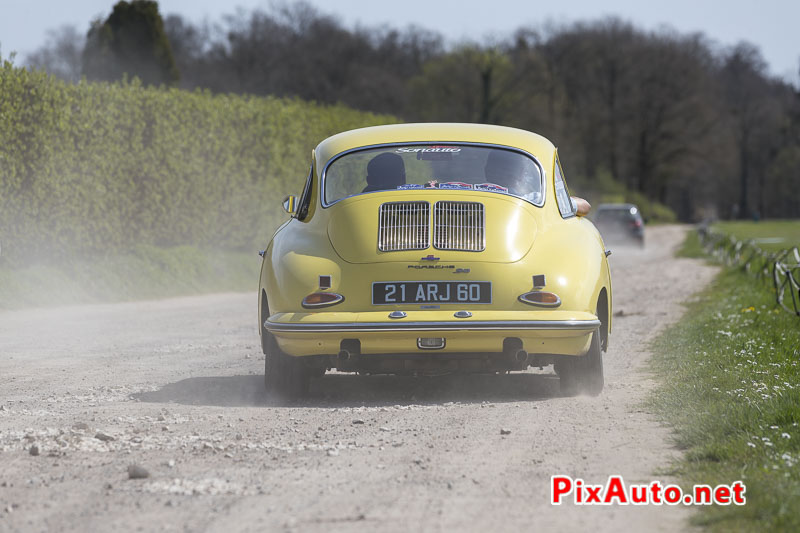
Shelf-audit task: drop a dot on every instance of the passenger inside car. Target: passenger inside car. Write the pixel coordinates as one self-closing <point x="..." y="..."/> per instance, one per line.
<point x="503" y="168"/>
<point x="385" y="172"/>
<point x="509" y="170"/>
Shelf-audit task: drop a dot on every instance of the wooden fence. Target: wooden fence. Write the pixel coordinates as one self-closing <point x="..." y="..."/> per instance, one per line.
<point x="781" y="268"/>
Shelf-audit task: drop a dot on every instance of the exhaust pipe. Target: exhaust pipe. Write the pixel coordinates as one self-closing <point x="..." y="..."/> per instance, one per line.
<point x="349" y="350"/>
<point x="514" y="352"/>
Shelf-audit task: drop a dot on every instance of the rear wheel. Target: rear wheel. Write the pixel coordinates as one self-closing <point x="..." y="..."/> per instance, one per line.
<point x="284" y="376"/>
<point x="584" y="374"/>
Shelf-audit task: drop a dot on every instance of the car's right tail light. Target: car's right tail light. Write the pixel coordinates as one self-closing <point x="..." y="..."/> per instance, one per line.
<point x="540" y="299"/>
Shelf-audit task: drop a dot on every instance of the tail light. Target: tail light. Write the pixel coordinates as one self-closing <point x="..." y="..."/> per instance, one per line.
<point x="322" y="299"/>
<point x="540" y="299"/>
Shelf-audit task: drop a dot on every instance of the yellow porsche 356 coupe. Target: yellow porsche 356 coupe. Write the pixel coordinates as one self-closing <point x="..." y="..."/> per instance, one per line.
<point x="434" y="248"/>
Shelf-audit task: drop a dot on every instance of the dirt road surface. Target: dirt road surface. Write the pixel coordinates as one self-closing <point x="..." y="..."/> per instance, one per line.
<point x="175" y="386"/>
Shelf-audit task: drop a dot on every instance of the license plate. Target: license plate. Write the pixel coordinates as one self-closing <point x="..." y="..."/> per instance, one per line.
<point x="429" y="292"/>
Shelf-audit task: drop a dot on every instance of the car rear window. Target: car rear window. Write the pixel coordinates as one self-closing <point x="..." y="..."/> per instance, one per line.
<point x="434" y="166"/>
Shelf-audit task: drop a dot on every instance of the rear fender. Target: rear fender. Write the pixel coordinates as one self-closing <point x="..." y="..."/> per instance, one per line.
<point x="578" y="271"/>
<point x="293" y="264"/>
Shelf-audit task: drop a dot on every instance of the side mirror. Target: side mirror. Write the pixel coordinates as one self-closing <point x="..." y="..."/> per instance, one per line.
<point x="290" y="204"/>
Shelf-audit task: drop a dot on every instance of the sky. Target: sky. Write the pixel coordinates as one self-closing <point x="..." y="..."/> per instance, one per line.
<point x="772" y="25"/>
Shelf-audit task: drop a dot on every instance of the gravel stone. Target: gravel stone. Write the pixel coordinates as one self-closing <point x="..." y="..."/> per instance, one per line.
<point x="103" y="437"/>
<point x="137" y="472"/>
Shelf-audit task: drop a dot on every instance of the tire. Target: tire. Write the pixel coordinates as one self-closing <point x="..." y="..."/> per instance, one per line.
<point x="284" y="376"/>
<point x="583" y="374"/>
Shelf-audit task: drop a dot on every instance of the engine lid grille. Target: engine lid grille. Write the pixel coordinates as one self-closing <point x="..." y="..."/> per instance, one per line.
<point x="459" y="226"/>
<point x="403" y="226"/>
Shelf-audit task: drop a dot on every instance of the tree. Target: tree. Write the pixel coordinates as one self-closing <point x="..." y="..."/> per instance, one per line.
<point x="648" y="116"/>
<point x="631" y="106"/>
<point x="471" y="84"/>
<point x="61" y="54"/>
<point x="130" y="41"/>
<point x="753" y="118"/>
<point x="783" y="182"/>
<point x="592" y="70"/>
<point x="190" y="47"/>
<point x="294" y="50"/>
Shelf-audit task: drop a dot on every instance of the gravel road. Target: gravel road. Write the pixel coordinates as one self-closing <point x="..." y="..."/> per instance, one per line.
<point x="174" y="387"/>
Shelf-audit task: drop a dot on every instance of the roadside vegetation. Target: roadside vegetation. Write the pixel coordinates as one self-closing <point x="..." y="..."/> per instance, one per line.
<point x="731" y="388"/>
<point x="667" y="120"/>
<point x="193" y="138"/>
<point x="96" y="178"/>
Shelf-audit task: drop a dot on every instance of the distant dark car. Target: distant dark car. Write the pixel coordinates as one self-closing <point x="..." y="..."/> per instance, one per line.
<point x="620" y="224"/>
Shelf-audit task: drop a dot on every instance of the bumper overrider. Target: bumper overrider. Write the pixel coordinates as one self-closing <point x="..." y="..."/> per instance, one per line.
<point x="539" y="332"/>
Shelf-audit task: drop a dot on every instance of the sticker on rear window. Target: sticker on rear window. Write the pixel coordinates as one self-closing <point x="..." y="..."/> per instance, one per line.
<point x="456" y="185"/>
<point x="410" y="186"/>
<point x="491" y="187"/>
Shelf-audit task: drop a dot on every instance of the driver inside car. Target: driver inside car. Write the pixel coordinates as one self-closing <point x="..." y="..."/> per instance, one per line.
<point x="385" y="172"/>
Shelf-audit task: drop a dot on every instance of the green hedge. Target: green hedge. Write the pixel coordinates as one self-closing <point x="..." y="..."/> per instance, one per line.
<point x="98" y="168"/>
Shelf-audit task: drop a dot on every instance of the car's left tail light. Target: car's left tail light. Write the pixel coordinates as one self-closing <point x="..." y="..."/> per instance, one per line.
<point x="322" y="299"/>
<point x="540" y="299"/>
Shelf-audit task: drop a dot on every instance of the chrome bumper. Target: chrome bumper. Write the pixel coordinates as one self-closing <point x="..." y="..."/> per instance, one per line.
<point x="332" y="327"/>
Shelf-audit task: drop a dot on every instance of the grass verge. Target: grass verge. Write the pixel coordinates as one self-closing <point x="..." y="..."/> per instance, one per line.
<point x="143" y="273"/>
<point x="691" y="247"/>
<point x="730" y="374"/>
<point x="771" y="235"/>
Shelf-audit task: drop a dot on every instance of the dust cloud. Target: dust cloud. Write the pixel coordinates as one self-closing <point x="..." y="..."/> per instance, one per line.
<point x="175" y="387"/>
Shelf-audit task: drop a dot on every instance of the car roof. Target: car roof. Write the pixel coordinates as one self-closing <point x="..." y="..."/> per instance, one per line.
<point x="532" y="143"/>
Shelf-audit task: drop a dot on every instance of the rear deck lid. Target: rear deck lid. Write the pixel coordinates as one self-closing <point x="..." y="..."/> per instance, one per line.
<point x="407" y="226"/>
